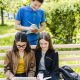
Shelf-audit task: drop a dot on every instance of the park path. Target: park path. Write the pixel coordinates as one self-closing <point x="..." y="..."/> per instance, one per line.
<point x="7" y="35"/>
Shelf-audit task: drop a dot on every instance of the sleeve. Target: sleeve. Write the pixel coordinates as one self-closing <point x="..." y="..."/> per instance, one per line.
<point x="43" y="17"/>
<point x="55" y="65"/>
<point x="32" y="67"/>
<point x="7" y="66"/>
<point x="19" y="14"/>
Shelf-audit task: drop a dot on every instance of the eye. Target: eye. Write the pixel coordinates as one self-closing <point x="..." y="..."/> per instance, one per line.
<point x="45" y="43"/>
<point x="40" y="43"/>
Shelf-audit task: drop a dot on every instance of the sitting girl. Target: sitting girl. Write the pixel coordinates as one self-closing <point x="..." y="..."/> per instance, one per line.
<point x="46" y="57"/>
<point x="20" y="60"/>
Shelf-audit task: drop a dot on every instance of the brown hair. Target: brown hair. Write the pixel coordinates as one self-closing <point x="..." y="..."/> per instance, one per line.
<point x="45" y="36"/>
<point x="41" y="1"/>
<point x="21" y="36"/>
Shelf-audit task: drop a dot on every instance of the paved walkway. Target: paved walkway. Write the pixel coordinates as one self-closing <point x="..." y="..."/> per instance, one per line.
<point x="7" y="35"/>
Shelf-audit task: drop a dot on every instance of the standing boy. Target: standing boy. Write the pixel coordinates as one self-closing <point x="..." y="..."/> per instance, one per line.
<point x="30" y="19"/>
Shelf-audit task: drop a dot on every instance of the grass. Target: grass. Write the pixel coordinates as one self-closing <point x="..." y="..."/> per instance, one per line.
<point x="7" y="41"/>
<point x="2" y="75"/>
<point x="62" y="63"/>
<point x="1" y="58"/>
<point x="8" y="28"/>
<point x="2" y="51"/>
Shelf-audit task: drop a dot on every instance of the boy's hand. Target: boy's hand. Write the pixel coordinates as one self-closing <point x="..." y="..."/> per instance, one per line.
<point x="35" y="31"/>
<point x="34" y="26"/>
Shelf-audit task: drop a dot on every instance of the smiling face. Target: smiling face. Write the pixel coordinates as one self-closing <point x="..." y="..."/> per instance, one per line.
<point x="21" y="46"/>
<point x="44" y="44"/>
<point x="35" y="5"/>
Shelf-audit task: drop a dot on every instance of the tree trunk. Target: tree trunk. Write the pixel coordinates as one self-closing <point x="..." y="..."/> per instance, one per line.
<point x="2" y="17"/>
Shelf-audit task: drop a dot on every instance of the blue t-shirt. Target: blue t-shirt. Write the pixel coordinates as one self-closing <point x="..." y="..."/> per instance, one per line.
<point x="26" y="14"/>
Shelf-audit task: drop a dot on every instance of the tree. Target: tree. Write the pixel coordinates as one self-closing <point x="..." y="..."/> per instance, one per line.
<point x="10" y="6"/>
<point x="3" y="6"/>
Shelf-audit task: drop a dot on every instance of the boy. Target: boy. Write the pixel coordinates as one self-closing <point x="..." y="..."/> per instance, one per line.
<point x="31" y="18"/>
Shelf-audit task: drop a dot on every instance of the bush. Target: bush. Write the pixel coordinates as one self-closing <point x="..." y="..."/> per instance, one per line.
<point x="63" y="19"/>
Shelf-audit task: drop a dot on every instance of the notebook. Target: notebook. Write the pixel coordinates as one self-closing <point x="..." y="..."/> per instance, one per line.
<point x="25" y="78"/>
<point x="34" y="27"/>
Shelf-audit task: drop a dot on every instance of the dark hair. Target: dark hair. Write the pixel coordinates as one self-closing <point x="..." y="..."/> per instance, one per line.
<point x="45" y="36"/>
<point x="41" y="1"/>
<point x="21" y="36"/>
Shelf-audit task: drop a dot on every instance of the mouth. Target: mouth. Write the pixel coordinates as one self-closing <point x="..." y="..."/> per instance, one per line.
<point x="21" y="49"/>
<point x="34" y="8"/>
<point x="43" y="47"/>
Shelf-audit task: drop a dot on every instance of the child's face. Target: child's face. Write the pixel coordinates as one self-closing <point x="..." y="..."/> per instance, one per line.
<point x="35" y="5"/>
<point x="44" y="44"/>
<point x="21" y="46"/>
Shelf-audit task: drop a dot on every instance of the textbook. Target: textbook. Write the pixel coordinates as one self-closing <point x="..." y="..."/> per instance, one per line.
<point x="25" y="78"/>
<point x="34" y="27"/>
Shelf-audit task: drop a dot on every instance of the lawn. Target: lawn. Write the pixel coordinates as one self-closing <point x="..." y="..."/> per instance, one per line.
<point x="7" y="32"/>
<point x="7" y="41"/>
<point x="9" y="27"/>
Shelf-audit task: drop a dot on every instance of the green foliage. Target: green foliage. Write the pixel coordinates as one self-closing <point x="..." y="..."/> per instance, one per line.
<point x="4" y="3"/>
<point x="63" y="18"/>
<point x="12" y="5"/>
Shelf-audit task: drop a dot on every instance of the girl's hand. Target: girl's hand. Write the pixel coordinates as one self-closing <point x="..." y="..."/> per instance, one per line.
<point x="40" y="76"/>
<point x="12" y="78"/>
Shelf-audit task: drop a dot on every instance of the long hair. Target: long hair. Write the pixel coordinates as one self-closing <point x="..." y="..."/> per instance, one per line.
<point x="21" y="36"/>
<point x="45" y="36"/>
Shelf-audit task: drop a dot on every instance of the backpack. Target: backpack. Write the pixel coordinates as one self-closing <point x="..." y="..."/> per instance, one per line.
<point x="68" y="73"/>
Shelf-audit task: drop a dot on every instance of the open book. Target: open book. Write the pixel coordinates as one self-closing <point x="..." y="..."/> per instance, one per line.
<point x="29" y="78"/>
<point x="25" y="78"/>
<point x="34" y="27"/>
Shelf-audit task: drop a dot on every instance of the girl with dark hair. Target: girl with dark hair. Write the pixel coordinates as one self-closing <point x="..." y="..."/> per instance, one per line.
<point x="46" y="58"/>
<point x="20" y="60"/>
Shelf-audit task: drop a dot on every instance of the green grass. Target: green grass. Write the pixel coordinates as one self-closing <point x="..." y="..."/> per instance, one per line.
<point x="2" y="51"/>
<point x="1" y="58"/>
<point x="7" y="29"/>
<point x="69" y="55"/>
<point x="2" y="75"/>
<point x="77" y="70"/>
<point x="67" y="49"/>
<point x="1" y="66"/>
<point x="63" y="63"/>
<point x="7" y="41"/>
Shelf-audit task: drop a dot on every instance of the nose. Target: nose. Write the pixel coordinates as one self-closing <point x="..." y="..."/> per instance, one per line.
<point x="43" y="45"/>
<point x="37" y="7"/>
